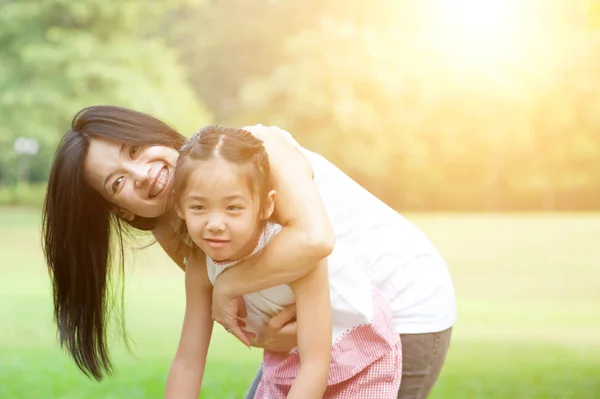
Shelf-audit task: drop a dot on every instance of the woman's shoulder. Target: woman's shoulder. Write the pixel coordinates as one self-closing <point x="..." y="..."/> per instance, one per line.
<point x="283" y="150"/>
<point x="171" y="237"/>
<point x="271" y="134"/>
<point x="167" y="225"/>
<point x="164" y="228"/>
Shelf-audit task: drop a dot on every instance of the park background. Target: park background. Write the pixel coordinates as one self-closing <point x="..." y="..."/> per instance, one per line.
<point x="477" y="120"/>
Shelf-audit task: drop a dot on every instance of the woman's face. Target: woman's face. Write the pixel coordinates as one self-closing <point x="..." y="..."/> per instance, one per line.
<point x="136" y="179"/>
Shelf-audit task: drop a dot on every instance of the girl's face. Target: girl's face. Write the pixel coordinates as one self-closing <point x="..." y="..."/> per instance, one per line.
<point x="136" y="179"/>
<point x="221" y="214"/>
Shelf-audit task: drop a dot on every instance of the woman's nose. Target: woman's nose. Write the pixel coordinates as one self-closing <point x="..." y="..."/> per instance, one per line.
<point x="140" y="174"/>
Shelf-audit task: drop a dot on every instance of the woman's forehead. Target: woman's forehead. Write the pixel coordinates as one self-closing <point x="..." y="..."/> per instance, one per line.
<point x="102" y="159"/>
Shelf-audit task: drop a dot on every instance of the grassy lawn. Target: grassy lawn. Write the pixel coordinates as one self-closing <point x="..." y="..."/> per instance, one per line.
<point x="528" y="290"/>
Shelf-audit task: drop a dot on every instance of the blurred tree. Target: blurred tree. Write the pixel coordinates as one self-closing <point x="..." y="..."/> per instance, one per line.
<point x="224" y="43"/>
<point x="371" y="85"/>
<point x="425" y="131"/>
<point x="59" y="56"/>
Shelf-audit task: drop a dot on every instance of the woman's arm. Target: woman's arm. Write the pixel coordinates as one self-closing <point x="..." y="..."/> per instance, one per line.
<point x="307" y="235"/>
<point x="167" y="238"/>
<point x="314" y="333"/>
<point x="187" y="369"/>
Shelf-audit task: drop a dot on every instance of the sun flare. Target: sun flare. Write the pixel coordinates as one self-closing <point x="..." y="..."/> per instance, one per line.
<point x="479" y="31"/>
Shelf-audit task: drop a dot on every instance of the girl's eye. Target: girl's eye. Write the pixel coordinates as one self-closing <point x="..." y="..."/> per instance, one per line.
<point x="133" y="150"/>
<point x="116" y="184"/>
<point x="234" y="208"/>
<point x="197" y="207"/>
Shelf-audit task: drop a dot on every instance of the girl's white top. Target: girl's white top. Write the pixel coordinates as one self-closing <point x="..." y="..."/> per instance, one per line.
<point x="395" y="255"/>
<point x="362" y="327"/>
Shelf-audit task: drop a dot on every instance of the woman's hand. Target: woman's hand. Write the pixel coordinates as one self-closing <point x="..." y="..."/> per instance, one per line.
<point x="226" y="310"/>
<point x="281" y="332"/>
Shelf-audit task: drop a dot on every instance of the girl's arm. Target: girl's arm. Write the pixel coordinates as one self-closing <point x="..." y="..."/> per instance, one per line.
<point x="187" y="369"/>
<point x="307" y="235"/>
<point x="314" y="333"/>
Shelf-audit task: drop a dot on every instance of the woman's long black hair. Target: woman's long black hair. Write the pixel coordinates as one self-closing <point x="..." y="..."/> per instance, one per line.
<point x="79" y="231"/>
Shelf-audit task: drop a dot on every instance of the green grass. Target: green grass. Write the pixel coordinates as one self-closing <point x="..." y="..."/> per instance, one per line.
<point x="528" y="289"/>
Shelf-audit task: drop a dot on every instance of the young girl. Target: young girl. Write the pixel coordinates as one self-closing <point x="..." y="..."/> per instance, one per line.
<point x="347" y="346"/>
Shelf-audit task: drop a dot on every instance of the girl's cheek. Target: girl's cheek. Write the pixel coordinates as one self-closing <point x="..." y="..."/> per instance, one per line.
<point x="194" y="227"/>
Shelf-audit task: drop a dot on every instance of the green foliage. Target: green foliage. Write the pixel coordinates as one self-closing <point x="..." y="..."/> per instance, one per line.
<point x="420" y="124"/>
<point x="59" y="56"/>
<point x="23" y="195"/>
<point x="224" y="43"/>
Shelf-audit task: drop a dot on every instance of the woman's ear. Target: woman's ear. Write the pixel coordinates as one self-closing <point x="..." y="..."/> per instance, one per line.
<point x="123" y="214"/>
<point x="269" y="207"/>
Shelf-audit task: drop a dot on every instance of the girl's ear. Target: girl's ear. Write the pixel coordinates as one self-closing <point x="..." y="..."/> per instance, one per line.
<point x="269" y="207"/>
<point x="123" y="214"/>
<point x="179" y="213"/>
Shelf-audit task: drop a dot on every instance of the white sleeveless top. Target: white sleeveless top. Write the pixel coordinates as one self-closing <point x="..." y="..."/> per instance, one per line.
<point x="351" y="288"/>
<point x="362" y="326"/>
<point x="397" y="257"/>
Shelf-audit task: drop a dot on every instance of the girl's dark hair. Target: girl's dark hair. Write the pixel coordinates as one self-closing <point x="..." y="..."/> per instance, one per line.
<point x="231" y="144"/>
<point x="78" y="229"/>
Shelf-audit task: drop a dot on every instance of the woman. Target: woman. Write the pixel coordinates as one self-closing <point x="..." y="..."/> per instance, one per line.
<point x="114" y="168"/>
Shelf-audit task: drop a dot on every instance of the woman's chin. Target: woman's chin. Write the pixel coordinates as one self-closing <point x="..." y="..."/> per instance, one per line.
<point x="151" y="214"/>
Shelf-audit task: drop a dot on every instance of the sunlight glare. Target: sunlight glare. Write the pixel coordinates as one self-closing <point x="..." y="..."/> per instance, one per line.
<point x="479" y="31"/>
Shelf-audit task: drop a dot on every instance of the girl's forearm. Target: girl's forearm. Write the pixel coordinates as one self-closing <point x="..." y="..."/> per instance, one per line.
<point x="187" y="369"/>
<point x="314" y="333"/>
<point x="311" y="381"/>
<point x="183" y="381"/>
<point x="292" y="254"/>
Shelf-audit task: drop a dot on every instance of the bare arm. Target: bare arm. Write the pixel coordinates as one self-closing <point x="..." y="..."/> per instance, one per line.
<point x="307" y="235"/>
<point x="314" y="333"/>
<point x="166" y="237"/>
<point x="187" y="369"/>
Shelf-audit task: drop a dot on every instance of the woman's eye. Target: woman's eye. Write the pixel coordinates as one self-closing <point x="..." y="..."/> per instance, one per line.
<point x="116" y="184"/>
<point x="133" y="150"/>
<point x="234" y="208"/>
<point x="197" y="207"/>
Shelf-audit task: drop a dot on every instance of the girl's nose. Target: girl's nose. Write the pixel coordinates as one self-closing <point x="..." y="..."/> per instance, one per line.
<point x="216" y="225"/>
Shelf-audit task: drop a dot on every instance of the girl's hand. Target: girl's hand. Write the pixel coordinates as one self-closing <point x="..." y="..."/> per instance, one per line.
<point x="281" y="333"/>
<point x="226" y="310"/>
